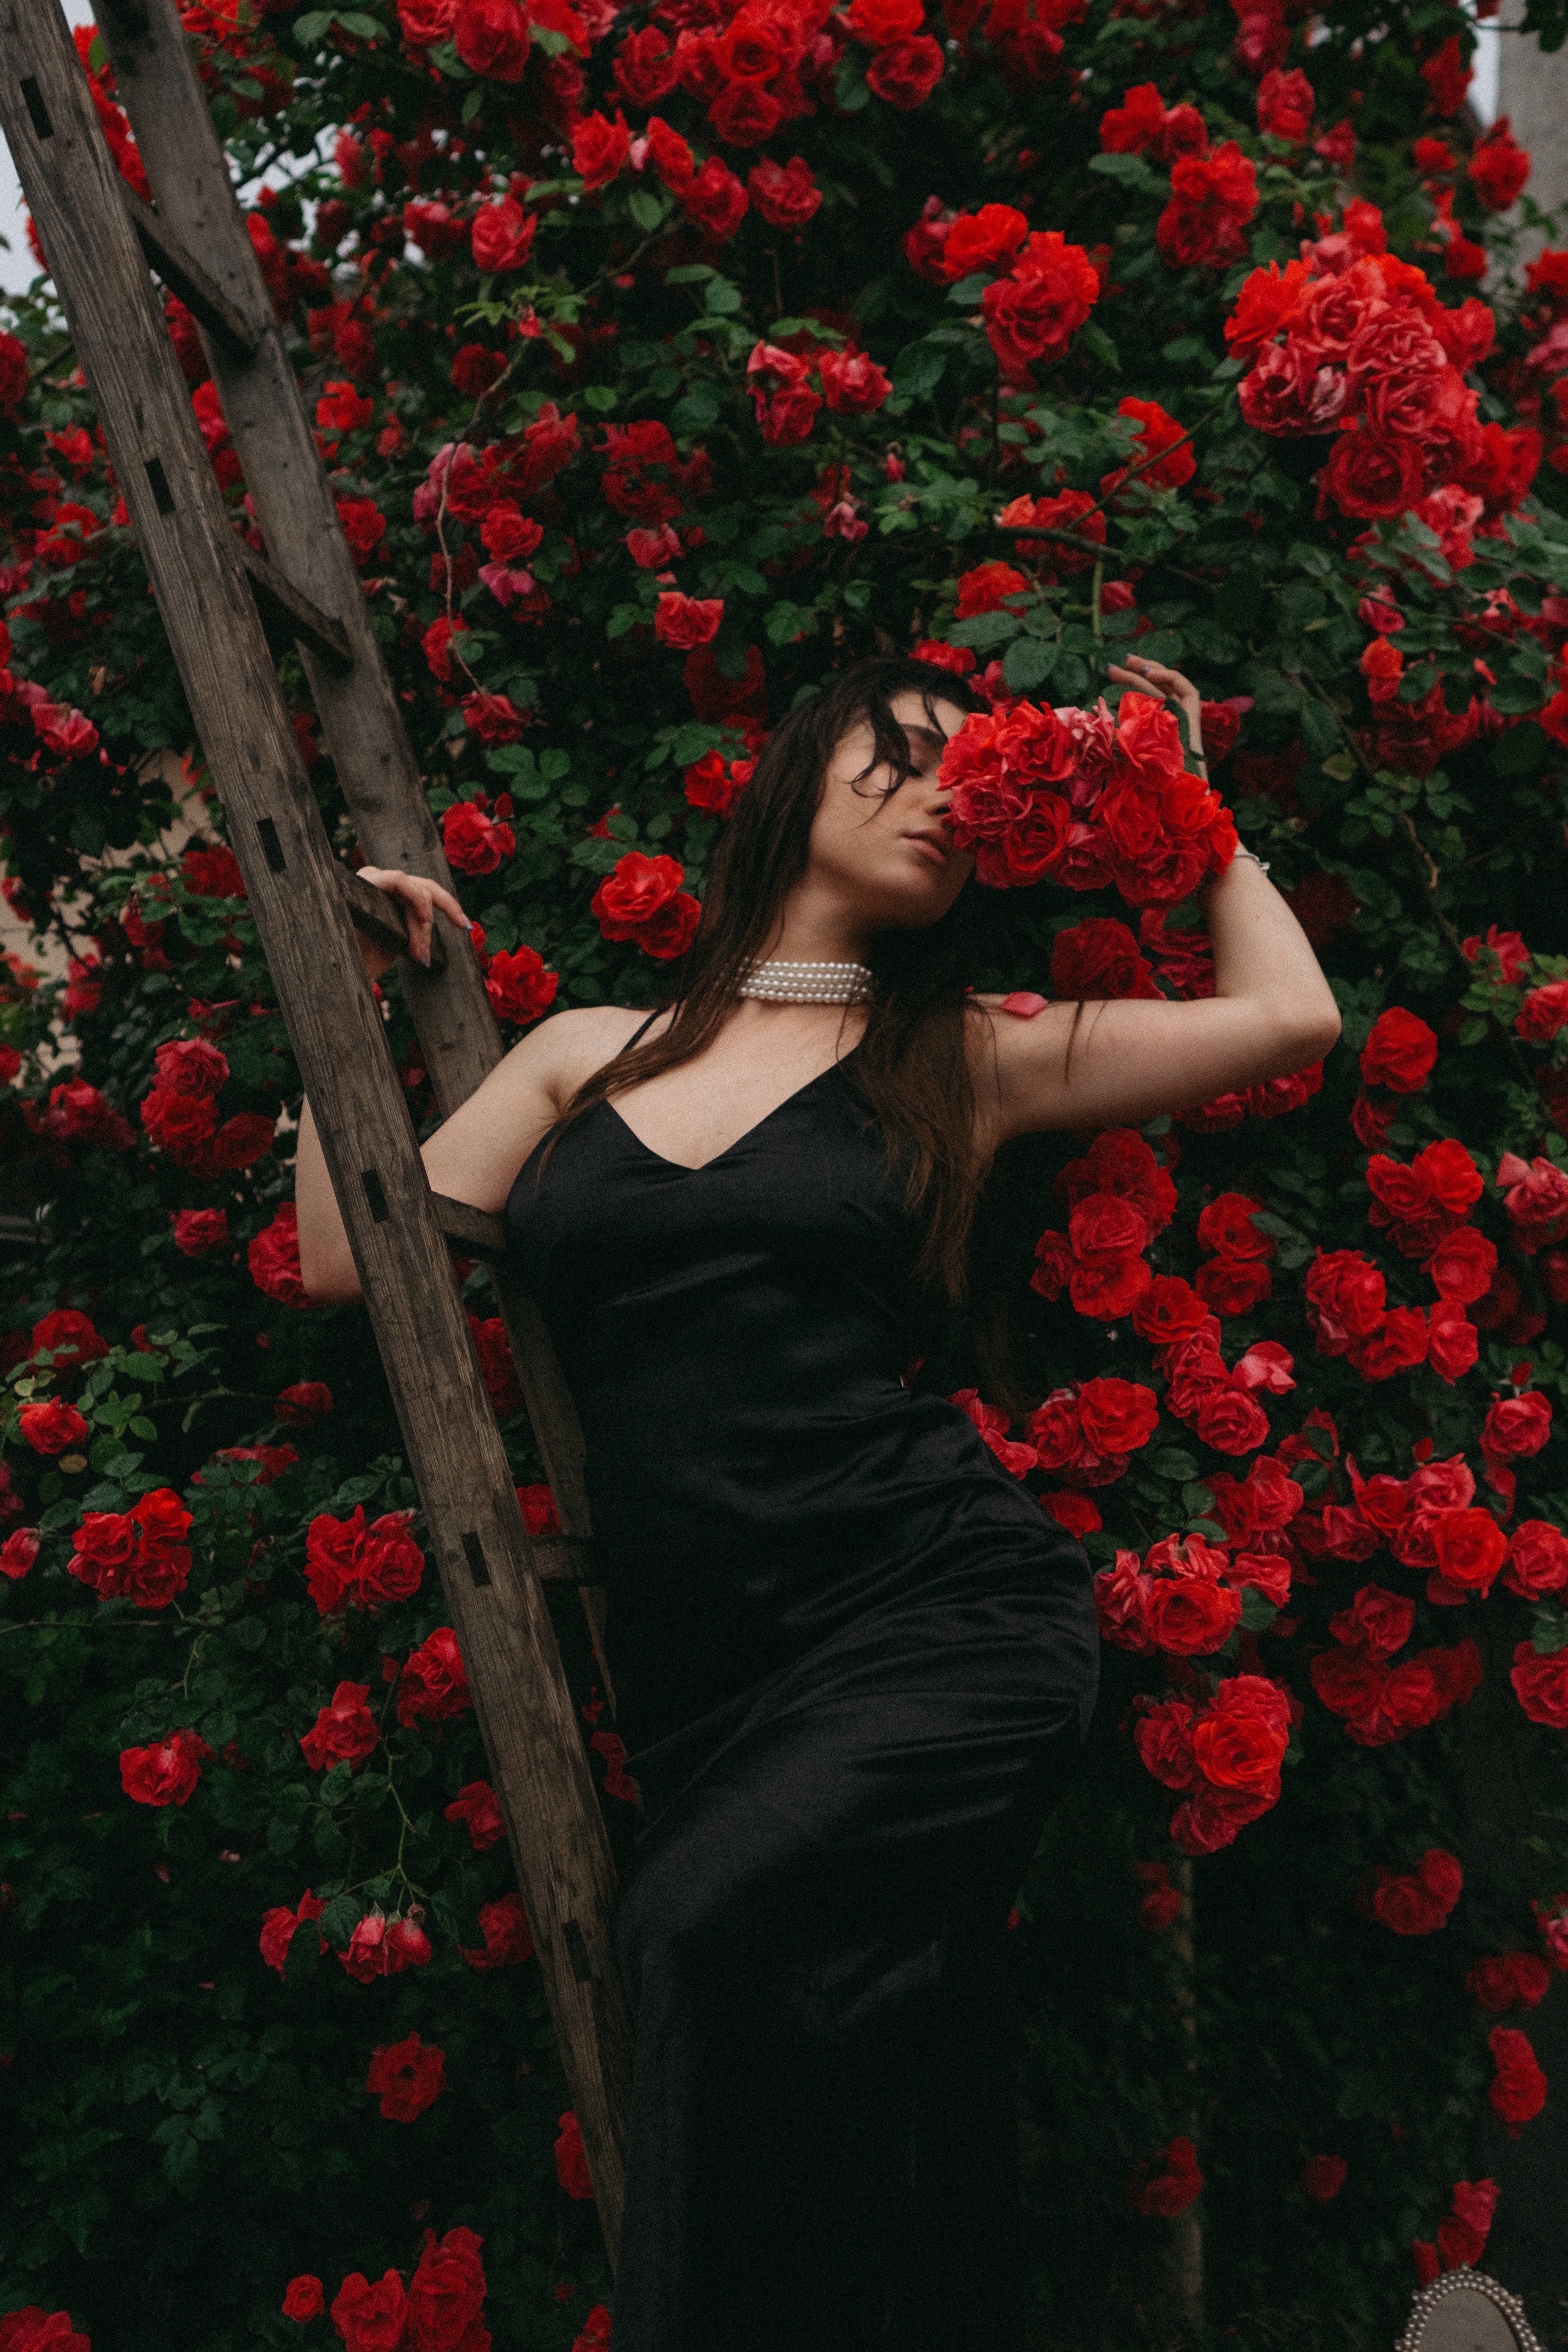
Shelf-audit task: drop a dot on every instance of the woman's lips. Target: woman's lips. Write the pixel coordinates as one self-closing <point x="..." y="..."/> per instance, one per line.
<point x="929" y="848"/>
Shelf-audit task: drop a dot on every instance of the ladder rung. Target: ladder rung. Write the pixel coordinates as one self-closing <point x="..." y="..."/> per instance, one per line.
<point x="473" y="1231"/>
<point x="278" y="600"/>
<point x="380" y="918"/>
<point x="183" y="274"/>
<point x="563" y="1560"/>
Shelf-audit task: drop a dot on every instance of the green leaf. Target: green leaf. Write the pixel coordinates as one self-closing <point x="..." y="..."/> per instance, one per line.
<point x="1519" y="750"/>
<point x="1093" y="338"/>
<point x="918" y="368"/>
<point x="1171" y="1462"/>
<point x="644" y="208"/>
<point x="339" y="1920"/>
<point x="362" y="27"/>
<point x="1027" y="663"/>
<point x="985" y="630"/>
<point x="307" y="30"/>
<point x="1321" y="736"/>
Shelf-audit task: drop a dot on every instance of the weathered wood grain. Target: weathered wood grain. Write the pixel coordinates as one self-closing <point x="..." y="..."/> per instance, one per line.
<point x="158" y="87"/>
<point x="524" y="1707"/>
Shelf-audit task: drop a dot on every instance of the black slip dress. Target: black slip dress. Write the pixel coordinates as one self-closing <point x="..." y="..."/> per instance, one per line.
<point x="854" y="1660"/>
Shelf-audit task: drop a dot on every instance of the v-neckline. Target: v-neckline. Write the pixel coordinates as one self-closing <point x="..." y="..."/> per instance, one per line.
<point x="683" y="1166"/>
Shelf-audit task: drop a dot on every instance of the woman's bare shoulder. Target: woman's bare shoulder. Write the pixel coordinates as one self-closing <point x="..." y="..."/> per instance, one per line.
<point x="567" y="1047"/>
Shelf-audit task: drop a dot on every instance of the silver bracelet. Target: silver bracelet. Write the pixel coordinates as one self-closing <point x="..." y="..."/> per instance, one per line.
<point x="1261" y="863"/>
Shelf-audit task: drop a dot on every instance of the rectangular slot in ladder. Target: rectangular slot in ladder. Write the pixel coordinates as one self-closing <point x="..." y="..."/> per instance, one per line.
<point x="474" y="1553"/>
<point x="576" y="1952"/>
<point x="162" y="496"/>
<point x="271" y="847"/>
<point x="38" y="113"/>
<point x="375" y="1195"/>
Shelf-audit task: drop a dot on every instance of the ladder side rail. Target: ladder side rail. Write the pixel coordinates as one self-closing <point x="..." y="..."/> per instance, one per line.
<point x="499" y="1616"/>
<point x="161" y="93"/>
<point x="272" y="432"/>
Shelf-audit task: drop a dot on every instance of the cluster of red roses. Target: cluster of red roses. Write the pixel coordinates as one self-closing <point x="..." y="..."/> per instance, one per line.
<point x="1084" y="799"/>
<point x="1429" y="1522"/>
<point x="1380" y="1701"/>
<point x="1347" y="1299"/>
<point x="786" y="407"/>
<point x="180" y="1114"/>
<point x="1222" y="1755"/>
<point x="1218" y="1401"/>
<point x="139" y="1555"/>
<point x="520" y="985"/>
<point x="1353" y="341"/>
<point x="370" y="1566"/>
<point x="1415" y="1902"/>
<point x="1031" y="312"/>
<point x="643" y="900"/>
<point x="1462" y="2234"/>
<point x="34" y="2330"/>
<point x="438" y="2310"/>
<point x="1117" y="1198"/>
<point x="405" y="2077"/>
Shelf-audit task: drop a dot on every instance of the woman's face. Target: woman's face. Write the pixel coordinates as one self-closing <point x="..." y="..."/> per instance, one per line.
<point x="890" y="853"/>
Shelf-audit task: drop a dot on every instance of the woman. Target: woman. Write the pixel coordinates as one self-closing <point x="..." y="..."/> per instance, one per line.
<point x="855" y="1658"/>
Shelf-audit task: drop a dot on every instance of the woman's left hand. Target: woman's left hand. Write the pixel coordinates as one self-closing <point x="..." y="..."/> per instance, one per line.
<point x="1153" y="678"/>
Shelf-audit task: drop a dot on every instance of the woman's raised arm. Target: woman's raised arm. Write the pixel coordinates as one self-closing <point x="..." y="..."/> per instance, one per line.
<point x="1271" y="1012"/>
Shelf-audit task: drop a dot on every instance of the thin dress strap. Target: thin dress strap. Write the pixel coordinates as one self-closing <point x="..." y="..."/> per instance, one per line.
<point x="648" y="1024"/>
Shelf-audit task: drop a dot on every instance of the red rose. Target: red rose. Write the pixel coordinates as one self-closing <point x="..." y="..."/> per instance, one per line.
<point x="1189" y="1617"/>
<point x="1469" y="1548"/>
<point x="1322" y="2177"/>
<point x="380" y="1946"/>
<point x="407" y="2078"/>
<point x="684" y="622"/>
<point x="1541" y="1685"/>
<point x="744" y="114"/>
<point x="1517" y="1424"/>
<point x="1074" y="1512"/>
<point x="1399" y="1053"/>
<point x="303" y="2298"/>
<point x="1407" y="1907"/>
<point x="1213" y="197"/>
<point x="1163" y="1739"/>
<point x="1157" y="432"/>
<point x="190" y="1066"/>
<point x="274" y="1259"/>
<point x="1285" y="104"/>
<point x="1232" y="1421"/>
<point x="852" y="383"/>
<point x="1099" y="959"/>
<point x="1512" y="1981"/>
<point x="447" y="2294"/>
<point x="599" y="149"/>
<point x="475" y="1807"/>
<point x="1238" y="1752"/>
<point x="1462" y="1266"/>
<point x="491" y="38"/>
<point x="1349" y="1681"/>
<point x="1171" y="2184"/>
<point x="1227" y="1224"/>
<point x="1543" y="1012"/>
<point x="473" y="841"/>
<point x="1381" y="1620"/>
<point x="277" y="1927"/>
<point x="715" y="199"/>
<point x="197" y="1230"/>
<point x="19" y="1553"/>
<point x="502" y="239"/>
<point x="51" y="1427"/>
<point x="1498" y="166"/>
<point x="1398" y="1344"/>
<point x="33" y="2329"/>
<point x="629" y="898"/>
<point x="982" y="240"/>
<point x="167" y="1772"/>
<point x="1370" y="474"/>
<point x="906" y="72"/>
<point x="372" y="2319"/>
<point x="1121" y="1596"/>
<point x="1034" y="314"/>
<point x="570" y="2162"/>
<point x="785" y="194"/>
<point x="1519" y="2088"/>
<point x="343" y="1732"/>
<point x="509" y="1938"/>
<point x="1233" y="1285"/>
<point x="1537" y="1560"/>
<point x="1117" y="1416"/>
<point x="435" y="1682"/>
<point x="518" y="987"/>
<point x="1345" y="1299"/>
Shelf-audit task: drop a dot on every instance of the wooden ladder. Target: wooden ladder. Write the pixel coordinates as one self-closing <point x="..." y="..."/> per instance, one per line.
<point x="214" y="595"/>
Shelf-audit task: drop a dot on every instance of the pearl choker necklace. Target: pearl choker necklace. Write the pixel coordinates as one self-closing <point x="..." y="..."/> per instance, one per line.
<point x="809" y="983"/>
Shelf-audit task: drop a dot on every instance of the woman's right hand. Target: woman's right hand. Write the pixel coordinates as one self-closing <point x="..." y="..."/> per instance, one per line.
<point x="418" y="897"/>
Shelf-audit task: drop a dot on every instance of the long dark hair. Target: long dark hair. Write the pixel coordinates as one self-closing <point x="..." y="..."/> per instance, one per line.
<point x="913" y="1062"/>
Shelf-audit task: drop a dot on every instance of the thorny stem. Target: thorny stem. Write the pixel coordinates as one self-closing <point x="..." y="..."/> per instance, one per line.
<point x="1094" y="546"/>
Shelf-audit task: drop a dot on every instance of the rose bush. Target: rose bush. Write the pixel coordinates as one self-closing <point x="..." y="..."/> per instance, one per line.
<point x="661" y="360"/>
